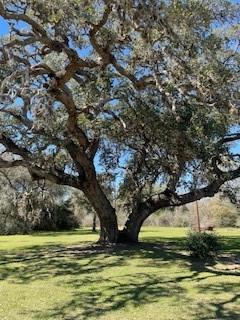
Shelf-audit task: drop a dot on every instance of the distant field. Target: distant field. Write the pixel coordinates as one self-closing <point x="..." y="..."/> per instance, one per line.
<point x="63" y="276"/>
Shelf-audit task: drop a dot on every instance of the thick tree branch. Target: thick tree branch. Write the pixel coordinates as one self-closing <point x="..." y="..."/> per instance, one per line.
<point x="54" y="175"/>
<point x="73" y="128"/>
<point x="10" y="164"/>
<point x="230" y="138"/>
<point x="168" y="198"/>
<point x="14" y="148"/>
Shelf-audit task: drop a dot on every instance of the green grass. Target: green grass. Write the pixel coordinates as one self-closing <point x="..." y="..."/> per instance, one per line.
<point x="61" y="276"/>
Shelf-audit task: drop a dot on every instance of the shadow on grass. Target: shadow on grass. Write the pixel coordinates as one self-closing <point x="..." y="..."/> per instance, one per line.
<point x="231" y="244"/>
<point x="221" y="308"/>
<point x="96" y="293"/>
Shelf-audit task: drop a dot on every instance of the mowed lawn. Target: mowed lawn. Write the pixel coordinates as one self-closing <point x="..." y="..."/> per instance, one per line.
<point x="64" y="276"/>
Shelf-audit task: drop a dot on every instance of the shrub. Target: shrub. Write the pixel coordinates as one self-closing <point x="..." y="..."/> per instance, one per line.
<point x="57" y="218"/>
<point x="203" y="245"/>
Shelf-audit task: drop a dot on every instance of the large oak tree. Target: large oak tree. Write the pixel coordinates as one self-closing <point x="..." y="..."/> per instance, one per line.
<point x="145" y="91"/>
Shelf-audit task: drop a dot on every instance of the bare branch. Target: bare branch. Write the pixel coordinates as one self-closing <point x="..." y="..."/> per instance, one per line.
<point x="10" y="164"/>
<point x="13" y="147"/>
<point x="22" y="17"/>
<point x="230" y="138"/>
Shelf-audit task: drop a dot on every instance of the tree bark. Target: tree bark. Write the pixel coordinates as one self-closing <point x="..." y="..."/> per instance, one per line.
<point x="105" y="211"/>
<point x="132" y="227"/>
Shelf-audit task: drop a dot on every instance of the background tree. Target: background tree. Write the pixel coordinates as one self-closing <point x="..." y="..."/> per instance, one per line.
<point x="221" y="213"/>
<point x="145" y="90"/>
<point x="216" y="212"/>
<point x="27" y="205"/>
<point x="83" y="210"/>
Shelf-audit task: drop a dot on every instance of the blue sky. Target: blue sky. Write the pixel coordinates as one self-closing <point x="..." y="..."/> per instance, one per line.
<point x="3" y="26"/>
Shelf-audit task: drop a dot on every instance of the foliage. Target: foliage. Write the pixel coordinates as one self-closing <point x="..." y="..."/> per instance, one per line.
<point x="203" y="245"/>
<point x="231" y="192"/>
<point x="26" y="205"/>
<point x="59" y="217"/>
<point x="222" y="213"/>
<point x="144" y="93"/>
<point x="177" y="217"/>
<point x="81" y="208"/>
<point x="216" y="212"/>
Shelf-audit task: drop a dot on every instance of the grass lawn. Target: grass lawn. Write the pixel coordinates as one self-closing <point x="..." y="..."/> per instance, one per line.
<point x="62" y="276"/>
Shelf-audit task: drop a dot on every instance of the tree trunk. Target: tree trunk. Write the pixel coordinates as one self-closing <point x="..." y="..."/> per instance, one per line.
<point x="94" y="224"/>
<point x="132" y="227"/>
<point x="105" y="211"/>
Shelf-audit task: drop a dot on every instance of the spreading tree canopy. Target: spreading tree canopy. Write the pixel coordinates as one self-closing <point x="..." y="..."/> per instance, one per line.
<point x="145" y="92"/>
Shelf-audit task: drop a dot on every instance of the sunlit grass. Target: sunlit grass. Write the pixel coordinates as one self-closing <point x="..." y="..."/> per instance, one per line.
<point x="61" y="276"/>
